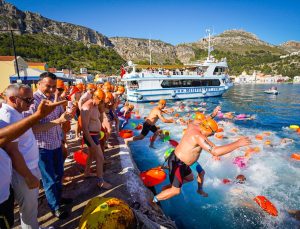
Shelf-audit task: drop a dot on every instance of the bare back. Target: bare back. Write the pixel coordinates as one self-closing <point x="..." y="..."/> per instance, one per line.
<point x="188" y="150"/>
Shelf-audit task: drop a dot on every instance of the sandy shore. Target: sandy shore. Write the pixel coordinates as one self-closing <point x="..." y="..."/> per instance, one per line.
<point x="121" y="171"/>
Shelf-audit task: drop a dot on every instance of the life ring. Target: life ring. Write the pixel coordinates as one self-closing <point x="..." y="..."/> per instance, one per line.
<point x="153" y="176"/>
<point x="294" y="127"/>
<point x="126" y="133"/>
<point x="295" y="156"/>
<point x="266" y="205"/>
<point x="173" y="94"/>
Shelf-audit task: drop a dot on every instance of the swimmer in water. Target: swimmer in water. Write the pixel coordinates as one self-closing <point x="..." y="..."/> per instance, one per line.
<point x="188" y="152"/>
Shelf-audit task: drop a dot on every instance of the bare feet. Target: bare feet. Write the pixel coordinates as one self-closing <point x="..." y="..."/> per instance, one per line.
<point x="202" y="193"/>
<point x="104" y="185"/>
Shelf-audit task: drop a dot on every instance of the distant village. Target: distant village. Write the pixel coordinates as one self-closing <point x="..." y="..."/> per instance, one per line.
<point x="29" y="74"/>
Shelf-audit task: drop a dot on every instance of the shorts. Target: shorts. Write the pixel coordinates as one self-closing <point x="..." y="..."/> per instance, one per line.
<point x="178" y="170"/>
<point x="147" y="127"/>
<point x="96" y="138"/>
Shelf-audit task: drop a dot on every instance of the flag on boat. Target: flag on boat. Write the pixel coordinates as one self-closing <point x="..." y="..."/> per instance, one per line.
<point x="123" y="71"/>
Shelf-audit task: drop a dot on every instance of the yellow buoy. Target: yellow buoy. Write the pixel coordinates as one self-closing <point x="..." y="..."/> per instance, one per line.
<point x="294" y="127"/>
<point x="107" y="213"/>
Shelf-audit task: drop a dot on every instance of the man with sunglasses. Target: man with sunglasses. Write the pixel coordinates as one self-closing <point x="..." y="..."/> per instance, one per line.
<point x="24" y="154"/>
<point x="188" y="152"/>
<point x="149" y="125"/>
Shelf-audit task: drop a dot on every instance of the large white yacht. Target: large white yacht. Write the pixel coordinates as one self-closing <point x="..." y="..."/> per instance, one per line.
<point x="196" y="80"/>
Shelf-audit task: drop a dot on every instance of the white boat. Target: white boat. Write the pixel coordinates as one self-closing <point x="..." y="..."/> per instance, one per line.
<point x="272" y="90"/>
<point x="197" y="80"/>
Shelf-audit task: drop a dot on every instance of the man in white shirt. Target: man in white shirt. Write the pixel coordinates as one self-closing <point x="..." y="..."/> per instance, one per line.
<point x="24" y="155"/>
<point x="8" y="134"/>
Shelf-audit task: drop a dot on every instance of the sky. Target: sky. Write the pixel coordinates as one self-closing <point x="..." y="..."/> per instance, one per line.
<point x="175" y="21"/>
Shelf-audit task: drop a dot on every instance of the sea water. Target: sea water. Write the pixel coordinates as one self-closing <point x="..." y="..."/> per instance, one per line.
<point x="270" y="172"/>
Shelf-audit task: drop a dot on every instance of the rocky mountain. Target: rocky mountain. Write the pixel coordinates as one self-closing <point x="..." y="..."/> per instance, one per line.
<point x="238" y="41"/>
<point x="27" y="22"/>
<point x="291" y="46"/>
<point x="139" y="50"/>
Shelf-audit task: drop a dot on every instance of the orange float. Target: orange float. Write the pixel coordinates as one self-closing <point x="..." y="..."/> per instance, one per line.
<point x="126" y="133"/>
<point x="268" y="142"/>
<point x="139" y="127"/>
<point x="295" y="156"/>
<point x="259" y="137"/>
<point x="220" y="130"/>
<point x="80" y="157"/>
<point x="298" y="130"/>
<point x="266" y="205"/>
<point x="177" y="115"/>
<point x="219" y="136"/>
<point x="153" y="176"/>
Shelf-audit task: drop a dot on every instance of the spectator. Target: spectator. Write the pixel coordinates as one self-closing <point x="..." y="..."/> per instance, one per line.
<point x="49" y="135"/>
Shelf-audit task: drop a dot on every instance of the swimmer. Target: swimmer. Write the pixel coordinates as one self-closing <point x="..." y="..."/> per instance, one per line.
<point x="149" y="124"/>
<point x="188" y="152"/>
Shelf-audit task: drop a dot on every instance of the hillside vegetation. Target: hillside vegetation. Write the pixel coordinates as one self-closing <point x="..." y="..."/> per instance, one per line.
<point x="60" y="52"/>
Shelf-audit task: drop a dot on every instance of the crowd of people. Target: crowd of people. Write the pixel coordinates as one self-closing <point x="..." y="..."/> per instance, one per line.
<point x="33" y="128"/>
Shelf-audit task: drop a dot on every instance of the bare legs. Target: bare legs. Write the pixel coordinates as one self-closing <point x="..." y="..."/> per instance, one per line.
<point x="200" y="180"/>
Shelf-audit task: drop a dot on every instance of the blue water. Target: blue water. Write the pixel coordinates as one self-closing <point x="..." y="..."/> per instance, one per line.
<point x="270" y="172"/>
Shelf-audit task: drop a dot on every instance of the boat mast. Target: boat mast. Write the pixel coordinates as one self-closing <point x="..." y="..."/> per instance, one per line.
<point x="150" y="56"/>
<point x="209" y="48"/>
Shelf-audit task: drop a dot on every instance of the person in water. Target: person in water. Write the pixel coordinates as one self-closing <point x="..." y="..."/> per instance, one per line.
<point x="188" y="152"/>
<point x="149" y="124"/>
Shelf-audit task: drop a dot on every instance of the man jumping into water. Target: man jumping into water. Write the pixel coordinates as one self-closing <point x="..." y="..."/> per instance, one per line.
<point x="188" y="152"/>
<point x="149" y="124"/>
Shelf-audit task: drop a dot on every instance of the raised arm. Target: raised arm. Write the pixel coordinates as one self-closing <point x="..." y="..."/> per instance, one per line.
<point x="13" y="131"/>
<point x="215" y="112"/>
<point x="162" y="118"/>
<point x="205" y="144"/>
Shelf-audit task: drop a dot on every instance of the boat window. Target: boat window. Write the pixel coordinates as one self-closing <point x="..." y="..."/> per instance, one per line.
<point x="219" y="70"/>
<point x="190" y="83"/>
<point x="133" y="85"/>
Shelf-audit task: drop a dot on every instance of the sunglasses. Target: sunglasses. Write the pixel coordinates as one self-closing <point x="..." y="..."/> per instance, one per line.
<point x="27" y="100"/>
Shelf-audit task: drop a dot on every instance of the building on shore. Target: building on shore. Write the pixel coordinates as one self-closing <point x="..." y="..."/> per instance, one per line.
<point x="296" y="79"/>
<point x="8" y="67"/>
<point x="38" y="65"/>
<point x="260" y="78"/>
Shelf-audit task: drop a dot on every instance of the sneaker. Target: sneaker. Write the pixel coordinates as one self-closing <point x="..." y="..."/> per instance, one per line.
<point x="61" y="214"/>
<point x="66" y="200"/>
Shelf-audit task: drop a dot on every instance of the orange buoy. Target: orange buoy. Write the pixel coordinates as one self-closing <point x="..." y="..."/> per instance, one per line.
<point x="80" y="157"/>
<point x="295" y="156"/>
<point x="266" y="205"/>
<point x="259" y="137"/>
<point x="298" y="130"/>
<point x="126" y="133"/>
<point x="139" y="127"/>
<point x="220" y="130"/>
<point x="153" y="176"/>
<point x="219" y="136"/>
<point x="267" y="142"/>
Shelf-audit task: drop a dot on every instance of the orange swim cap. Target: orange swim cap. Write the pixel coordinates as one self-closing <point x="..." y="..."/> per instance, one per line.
<point x="91" y="86"/>
<point x="121" y="89"/>
<point x="162" y="102"/>
<point x="199" y="116"/>
<point x="60" y="84"/>
<point x="80" y="86"/>
<point x="99" y="94"/>
<point x="109" y="96"/>
<point x="131" y="107"/>
<point x="210" y="124"/>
